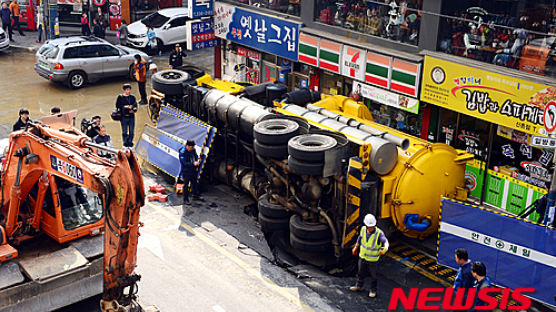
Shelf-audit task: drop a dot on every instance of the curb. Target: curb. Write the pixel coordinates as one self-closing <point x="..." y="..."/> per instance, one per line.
<point x="28" y="49"/>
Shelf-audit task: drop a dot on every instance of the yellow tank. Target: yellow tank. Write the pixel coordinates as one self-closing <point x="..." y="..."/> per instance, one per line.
<point x="424" y="173"/>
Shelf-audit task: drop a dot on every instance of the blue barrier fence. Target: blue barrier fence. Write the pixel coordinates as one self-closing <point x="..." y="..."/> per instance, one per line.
<point x="517" y="253"/>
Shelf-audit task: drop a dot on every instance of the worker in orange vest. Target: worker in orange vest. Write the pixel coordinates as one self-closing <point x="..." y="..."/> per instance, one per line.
<point x="14" y="9"/>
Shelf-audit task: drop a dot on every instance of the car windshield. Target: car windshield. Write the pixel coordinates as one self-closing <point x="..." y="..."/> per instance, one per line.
<point x="155" y="20"/>
<point x="49" y="50"/>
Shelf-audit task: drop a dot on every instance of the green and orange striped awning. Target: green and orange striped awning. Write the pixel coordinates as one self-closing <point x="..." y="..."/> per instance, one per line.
<point x="405" y="77"/>
<point x="329" y="55"/>
<point x="377" y="71"/>
<point x="309" y="49"/>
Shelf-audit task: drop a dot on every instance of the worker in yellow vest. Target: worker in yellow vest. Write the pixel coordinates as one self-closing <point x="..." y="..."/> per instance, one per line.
<point x="372" y="244"/>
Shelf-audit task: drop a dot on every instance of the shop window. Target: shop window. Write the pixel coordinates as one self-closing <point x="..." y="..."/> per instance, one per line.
<point x="513" y="156"/>
<point x="270" y="58"/>
<point x="518" y="34"/>
<point x="472" y="136"/>
<point x="447" y="122"/>
<point x="395" y="118"/>
<point x="331" y="83"/>
<point x="395" y="20"/>
<point x="291" y="7"/>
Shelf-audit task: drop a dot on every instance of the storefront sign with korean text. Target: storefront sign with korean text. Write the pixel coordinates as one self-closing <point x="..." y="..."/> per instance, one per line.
<point x="200" y="8"/>
<point x="262" y="32"/>
<point x="255" y="56"/>
<point x="497" y="98"/>
<point x="386" y="97"/>
<point x="200" y="34"/>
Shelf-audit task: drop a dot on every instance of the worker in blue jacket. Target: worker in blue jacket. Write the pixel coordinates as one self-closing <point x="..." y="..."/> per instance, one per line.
<point x="189" y="161"/>
<point x="464" y="278"/>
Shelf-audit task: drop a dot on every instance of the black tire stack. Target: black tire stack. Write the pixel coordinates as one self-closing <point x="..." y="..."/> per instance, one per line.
<point x="170" y="81"/>
<point x="271" y="137"/>
<point x="306" y="153"/>
<point x="310" y="237"/>
<point x="272" y="217"/>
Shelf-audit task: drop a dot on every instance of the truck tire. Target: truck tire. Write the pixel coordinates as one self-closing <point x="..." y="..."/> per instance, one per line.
<point x="272" y="151"/>
<point x="310" y="147"/>
<point x="270" y="210"/>
<point x="170" y="82"/>
<point x="273" y="225"/>
<point x="309" y="231"/>
<point x="302" y="167"/>
<point x="310" y="246"/>
<point x="275" y="131"/>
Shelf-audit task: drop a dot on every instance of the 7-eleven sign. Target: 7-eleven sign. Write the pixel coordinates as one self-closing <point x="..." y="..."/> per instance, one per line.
<point x="353" y="62"/>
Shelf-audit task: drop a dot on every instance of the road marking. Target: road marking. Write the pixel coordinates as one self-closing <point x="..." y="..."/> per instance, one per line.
<point x="218" y="308"/>
<point x="420" y="270"/>
<point x="270" y="284"/>
<point x="152" y="243"/>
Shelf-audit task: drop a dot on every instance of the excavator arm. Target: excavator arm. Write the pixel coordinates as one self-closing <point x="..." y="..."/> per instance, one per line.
<point x="121" y="233"/>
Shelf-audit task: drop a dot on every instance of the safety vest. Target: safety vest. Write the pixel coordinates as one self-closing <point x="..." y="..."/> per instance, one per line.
<point x="370" y="248"/>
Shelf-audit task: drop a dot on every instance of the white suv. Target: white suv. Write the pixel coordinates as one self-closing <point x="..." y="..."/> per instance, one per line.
<point x="168" y="24"/>
<point x="4" y="40"/>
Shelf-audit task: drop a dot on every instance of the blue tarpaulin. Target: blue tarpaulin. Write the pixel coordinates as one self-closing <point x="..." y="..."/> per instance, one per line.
<point x="517" y="253"/>
<point x="160" y="146"/>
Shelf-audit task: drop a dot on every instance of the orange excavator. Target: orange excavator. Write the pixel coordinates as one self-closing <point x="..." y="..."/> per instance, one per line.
<point x="54" y="186"/>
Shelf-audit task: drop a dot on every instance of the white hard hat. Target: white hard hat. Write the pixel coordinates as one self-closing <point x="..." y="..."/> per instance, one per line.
<point x="152" y="66"/>
<point x="369" y="220"/>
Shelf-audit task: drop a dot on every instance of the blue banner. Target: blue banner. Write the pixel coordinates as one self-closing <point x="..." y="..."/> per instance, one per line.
<point x="517" y="253"/>
<point x="262" y="32"/>
<point x="200" y="8"/>
<point x="160" y="150"/>
<point x="160" y="146"/>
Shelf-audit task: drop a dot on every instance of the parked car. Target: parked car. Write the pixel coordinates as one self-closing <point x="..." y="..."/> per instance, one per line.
<point x="4" y="40"/>
<point x="79" y="60"/>
<point x="168" y="24"/>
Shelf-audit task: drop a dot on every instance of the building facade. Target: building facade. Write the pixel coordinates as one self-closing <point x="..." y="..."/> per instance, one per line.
<point x="474" y="74"/>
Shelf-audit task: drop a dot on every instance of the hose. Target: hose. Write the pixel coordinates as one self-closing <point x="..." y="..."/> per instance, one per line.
<point x="334" y="233"/>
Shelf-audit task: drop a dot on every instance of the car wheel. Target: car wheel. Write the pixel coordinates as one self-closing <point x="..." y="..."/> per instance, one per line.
<point x="309" y="231"/>
<point x="275" y="131"/>
<point x="170" y="82"/>
<point x="309" y="245"/>
<point x="77" y="80"/>
<point x="310" y="147"/>
<point x="272" y="225"/>
<point x="271" y="210"/>
<point x="303" y="167"/>
<point x="272" y="151"/>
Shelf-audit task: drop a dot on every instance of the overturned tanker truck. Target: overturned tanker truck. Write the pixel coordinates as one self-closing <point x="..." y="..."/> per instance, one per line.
<point x="317" y="164"/>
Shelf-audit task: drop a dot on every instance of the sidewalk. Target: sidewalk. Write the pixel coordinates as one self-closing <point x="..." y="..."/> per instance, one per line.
<point x="28" y="42"/>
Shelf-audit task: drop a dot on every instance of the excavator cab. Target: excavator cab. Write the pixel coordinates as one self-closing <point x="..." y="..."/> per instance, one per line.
<point x="53" y="181"/>
<point x="79" y="206"/>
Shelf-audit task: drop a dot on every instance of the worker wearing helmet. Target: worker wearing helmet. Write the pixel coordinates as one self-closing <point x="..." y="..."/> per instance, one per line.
<point x="373" y="244"/>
